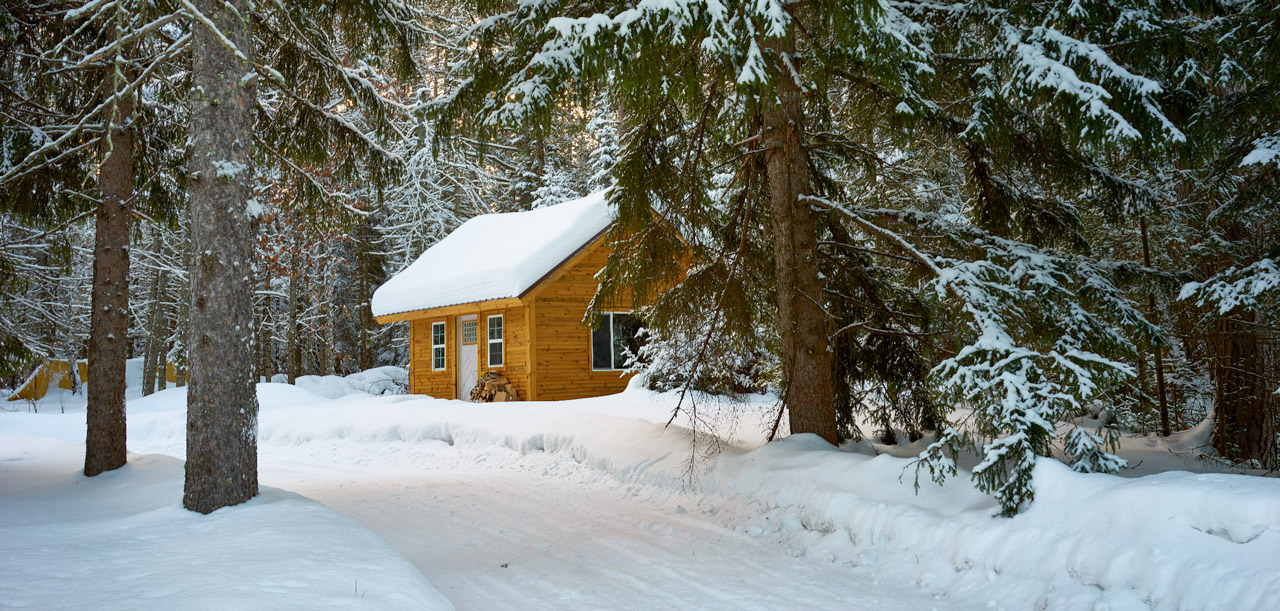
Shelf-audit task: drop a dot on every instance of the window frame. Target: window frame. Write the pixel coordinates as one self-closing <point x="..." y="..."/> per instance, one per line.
<point x="613" y="344"/>
<point x="443" y="346"/>
<point x="490" y="341"/>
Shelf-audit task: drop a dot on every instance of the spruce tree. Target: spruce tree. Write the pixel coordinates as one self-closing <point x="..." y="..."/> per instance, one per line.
<point x="78" y="69"/>
<point x="820" y="122"/>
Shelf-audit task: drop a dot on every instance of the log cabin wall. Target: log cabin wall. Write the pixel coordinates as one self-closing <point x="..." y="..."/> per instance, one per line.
<point x="515" y="348"/>
<point x="561" y="344"/>
<point x="422" y="380"/>
<point x="444" y="384"/>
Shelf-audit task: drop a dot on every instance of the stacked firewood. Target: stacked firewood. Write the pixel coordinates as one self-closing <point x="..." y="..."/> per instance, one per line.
<point x="493" y="387"/>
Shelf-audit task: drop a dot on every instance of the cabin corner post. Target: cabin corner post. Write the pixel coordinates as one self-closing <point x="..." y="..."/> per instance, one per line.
<point x="531" y="352"/>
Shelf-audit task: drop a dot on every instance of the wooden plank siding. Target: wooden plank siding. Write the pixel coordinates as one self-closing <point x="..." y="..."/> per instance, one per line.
<point x="562" y="352"/>
<point x="515" y="349"/>
<point x="422" y="380"/>
<point x="444" y="384"/>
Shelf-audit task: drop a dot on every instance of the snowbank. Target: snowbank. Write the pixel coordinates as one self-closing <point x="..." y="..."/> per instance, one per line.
<point x="1167" y="541"/>
<point x="377" y="381"/>
<point x="122" y="540"/>
<point x="1174" y="540"/>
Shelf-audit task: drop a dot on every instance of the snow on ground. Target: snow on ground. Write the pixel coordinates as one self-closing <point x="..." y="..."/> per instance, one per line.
<point x="588" y="505"/>
<point x="123" y="541"/>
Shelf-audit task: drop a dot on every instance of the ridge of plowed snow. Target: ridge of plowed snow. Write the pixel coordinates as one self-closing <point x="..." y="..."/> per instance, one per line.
<point x="1174" y="540"/>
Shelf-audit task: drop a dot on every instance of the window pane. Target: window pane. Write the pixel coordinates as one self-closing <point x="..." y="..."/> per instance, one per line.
<point x="495" y="354"/>
<point x="437" y="358"/>
<point x="437" y="333"/>
<point x="601" y="343"/>
<point x="624" y="338"/>
<point x="495" y="327"/>
<point x="469" y="331"/>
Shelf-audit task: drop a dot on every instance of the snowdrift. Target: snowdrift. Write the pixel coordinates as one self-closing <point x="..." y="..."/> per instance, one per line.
<point x="1168" y="541"/>
<point x="122" y="540"/>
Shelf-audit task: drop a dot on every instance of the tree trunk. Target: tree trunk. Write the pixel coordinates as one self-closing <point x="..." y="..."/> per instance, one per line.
<point x="1244" y="400"/>
<point x="148" y="353"/>
<point x="155" y="328"/>
<point x="109" y="317"/>
<point x="222" y="405"/>
<point x="294" y="347"/>
<point x="162" y="364"/>
<point x="182" y="320"/>
<point x="802" y="323"/>
<point x="266" y="370"/>
<point x="330" y="349"/>
<point x="363" y="314"/>
<point x="1157" y="349"/>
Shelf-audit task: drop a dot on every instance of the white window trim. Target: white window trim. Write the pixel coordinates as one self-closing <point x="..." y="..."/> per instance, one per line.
<point x="501" y="341"/>
<point x="443" y="346"/>
<point x="611" y="343"/>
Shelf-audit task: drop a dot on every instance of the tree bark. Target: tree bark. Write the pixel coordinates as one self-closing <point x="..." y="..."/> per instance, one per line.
<point x="266" y="369"/>
<point x="364" y="313"/>
<point x="162" y="363"/>
<point x="222" y="405"/>
<point x="802" y="322"/>
<point x="178" y="353"/>
<point x="294" y="346"/>
<point x="149" y="353"/>
<point x="1158" y="350"/>
<point x="109" y="317"/>
<point x="1244" y="399"/>
<point x="155" y="327"/>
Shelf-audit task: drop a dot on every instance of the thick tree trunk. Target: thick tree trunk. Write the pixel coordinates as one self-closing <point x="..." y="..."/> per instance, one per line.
<point x="802" y="323"/>
<point x="1244" y="401"/>
<point x="109" y="317"/>
<point x="222" y="405"/>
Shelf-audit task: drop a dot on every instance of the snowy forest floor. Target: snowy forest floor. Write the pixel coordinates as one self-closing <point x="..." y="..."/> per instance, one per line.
<point x="589" y="504"/>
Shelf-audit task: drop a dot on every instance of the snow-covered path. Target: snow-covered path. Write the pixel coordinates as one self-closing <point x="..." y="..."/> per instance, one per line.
<point x="582" y="502"/>
<point x="550" y="534"/>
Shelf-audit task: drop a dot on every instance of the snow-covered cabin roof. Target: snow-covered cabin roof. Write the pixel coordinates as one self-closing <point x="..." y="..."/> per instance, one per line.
<point x="495" y="256"/>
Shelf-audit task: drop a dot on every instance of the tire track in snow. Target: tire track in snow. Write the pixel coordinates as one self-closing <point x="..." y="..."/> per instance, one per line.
<point x="573" y="538"/>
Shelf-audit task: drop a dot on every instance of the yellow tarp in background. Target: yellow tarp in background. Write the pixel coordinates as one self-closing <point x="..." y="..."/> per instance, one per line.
<point x="37" y="384"/>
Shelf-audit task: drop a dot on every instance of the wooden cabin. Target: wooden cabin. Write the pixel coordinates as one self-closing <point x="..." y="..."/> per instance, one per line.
<point x="509" y="293"/>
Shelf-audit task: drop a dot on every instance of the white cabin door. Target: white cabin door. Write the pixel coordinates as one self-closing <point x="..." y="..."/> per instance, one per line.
<point x="468" y="363"/>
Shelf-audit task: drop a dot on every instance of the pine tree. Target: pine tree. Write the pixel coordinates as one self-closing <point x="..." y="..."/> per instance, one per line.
<point x="1228" y="185"/>
<point x="819" y="118"/>
<point x="77" y="72"/>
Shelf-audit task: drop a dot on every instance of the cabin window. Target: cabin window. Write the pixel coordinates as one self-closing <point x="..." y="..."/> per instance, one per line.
<point x="437" y="346"/>
<point x="469" y="332"/>
<point x="614" y="340"/>
<point x="495" y="341"/>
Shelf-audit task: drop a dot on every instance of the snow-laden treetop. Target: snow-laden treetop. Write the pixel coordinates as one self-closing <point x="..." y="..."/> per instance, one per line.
<point x="494" y="256"/>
